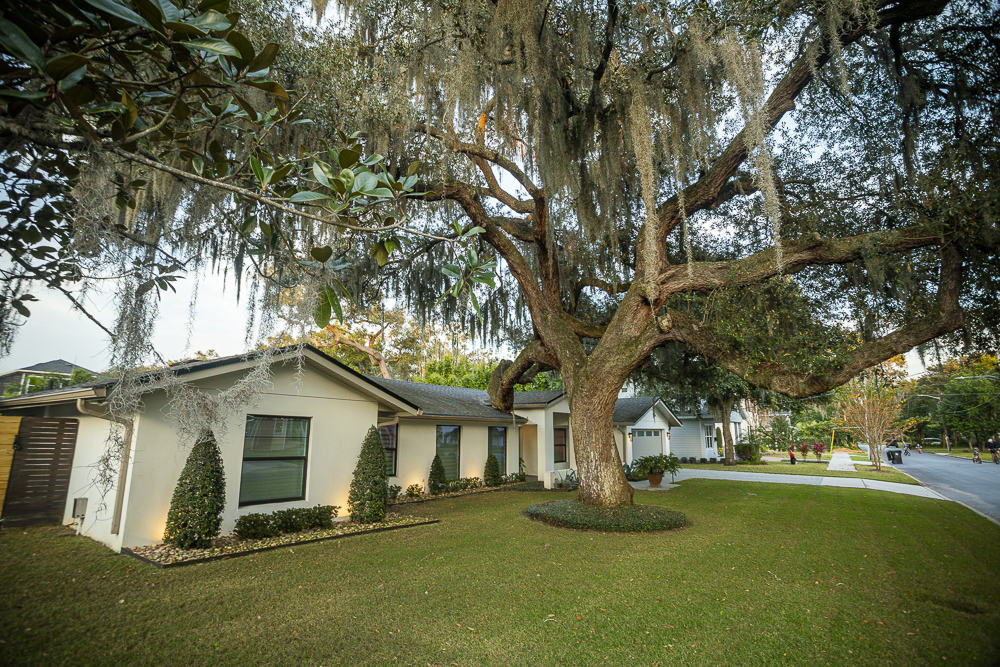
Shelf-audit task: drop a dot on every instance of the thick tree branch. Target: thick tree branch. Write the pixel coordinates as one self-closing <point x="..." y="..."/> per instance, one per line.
<point x="532" y="360"/>
<point x="797" y="384"/>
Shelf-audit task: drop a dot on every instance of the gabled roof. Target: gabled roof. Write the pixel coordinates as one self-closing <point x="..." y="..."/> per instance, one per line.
<point x="440" y="401"/>
<point x="630" y="410"/>
<point x="60" y="366"/>
<point x="199" y="369"/>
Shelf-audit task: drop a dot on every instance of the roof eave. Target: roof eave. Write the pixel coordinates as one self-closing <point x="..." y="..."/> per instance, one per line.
<point x="68" y="396"/>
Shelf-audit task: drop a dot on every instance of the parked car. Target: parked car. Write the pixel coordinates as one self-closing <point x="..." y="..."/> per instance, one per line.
<point x="932" y="442"/>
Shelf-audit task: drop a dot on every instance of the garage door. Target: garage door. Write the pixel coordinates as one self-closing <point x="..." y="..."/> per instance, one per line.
<point x="646" y="442"/>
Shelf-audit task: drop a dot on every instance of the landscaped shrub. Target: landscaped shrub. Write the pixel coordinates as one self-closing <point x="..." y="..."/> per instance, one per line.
<point x="515" y="477"/>
<point x="394" y="491"/>
<point x="292" y="520"/>
<point x="713" y="460"/>
<point x="491" y="473"/>
<point x="369" y="494"/>
<point x="627" y="519"/>
<point x="744" y="452"/>
<point x="195" y="515"/>
<point x="255" y="527"/>
<point x="321" y="516"/>
<point x="414" y="490"/>
<point x="436" y="481"/>
<point x="703" y="460"/>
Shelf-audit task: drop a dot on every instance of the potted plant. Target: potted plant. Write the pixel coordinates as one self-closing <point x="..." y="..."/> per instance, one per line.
<point x="654" y="466"/>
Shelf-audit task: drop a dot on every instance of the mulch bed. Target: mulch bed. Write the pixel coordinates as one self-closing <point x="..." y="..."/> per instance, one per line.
<point x="224" y="548"/>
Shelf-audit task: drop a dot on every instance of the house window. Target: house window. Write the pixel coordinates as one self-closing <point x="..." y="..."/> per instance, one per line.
<point x="449" y="446"/>
<point x="559" y="445"/>
<point x="274" y="459"/>
<point x="710" y="437"/>
<point x="387" y="434"/>
<point x="498" y="446"/>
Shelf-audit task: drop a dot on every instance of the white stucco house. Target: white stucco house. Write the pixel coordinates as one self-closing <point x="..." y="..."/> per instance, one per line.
<point x="298" y="443"/>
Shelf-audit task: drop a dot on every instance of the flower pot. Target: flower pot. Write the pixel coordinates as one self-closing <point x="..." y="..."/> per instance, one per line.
<point x="655" y="478"/>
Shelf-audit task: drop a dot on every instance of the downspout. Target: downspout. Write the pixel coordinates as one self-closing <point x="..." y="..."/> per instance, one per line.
<point x="116" y="517"/>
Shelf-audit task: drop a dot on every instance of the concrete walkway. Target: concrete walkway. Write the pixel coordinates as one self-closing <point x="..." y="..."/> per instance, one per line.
<point x="777" y="478"/>
<point x="841" y="461"/>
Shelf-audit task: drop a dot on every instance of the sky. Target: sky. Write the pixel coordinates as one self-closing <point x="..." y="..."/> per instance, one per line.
<point x="56" y="330"/>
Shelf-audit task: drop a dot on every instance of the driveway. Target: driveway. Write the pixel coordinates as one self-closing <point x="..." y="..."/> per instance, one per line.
<point x="977" y="486"/>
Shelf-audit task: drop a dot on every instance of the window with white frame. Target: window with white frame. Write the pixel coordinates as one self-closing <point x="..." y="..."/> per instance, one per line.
<point x="710" y="444"/>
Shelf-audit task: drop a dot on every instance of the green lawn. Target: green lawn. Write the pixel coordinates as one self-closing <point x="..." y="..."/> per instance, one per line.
<point x="886" y="474"/>
<point x="766" y="574"/>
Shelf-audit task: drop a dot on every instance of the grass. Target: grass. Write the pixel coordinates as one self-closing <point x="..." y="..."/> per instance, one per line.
<point x="634" y="518"/>
<point x="765" y="574"/>
<point x="812" y="468"/>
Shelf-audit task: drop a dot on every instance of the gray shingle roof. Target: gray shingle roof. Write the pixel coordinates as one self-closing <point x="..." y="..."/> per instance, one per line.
<point x="54" y="366"/>
<point x="438" y="400"/>
<point x="537" y="398"/>
<point x="630" y="410"/>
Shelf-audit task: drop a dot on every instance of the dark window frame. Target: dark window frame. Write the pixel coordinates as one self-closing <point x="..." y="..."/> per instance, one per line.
<point x="564" y="447"/>
<point x="503" y="465"/>
<point x="304" y="458"/>
<point x="458" y="451"/>
<point x="394" y="449"/>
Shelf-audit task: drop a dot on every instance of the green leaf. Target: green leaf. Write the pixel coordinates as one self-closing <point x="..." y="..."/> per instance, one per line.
<point x="475" y="302"/>
<point x="307" y="196"/>
<point x="320" y="173"/>
<point x="18" y="44"/>
<point x="264" y="58"/>
<point x="168" y="9"/>
<point x="272" y="87"/>
<point x="245" y="47"/>
<point x="381" y="192"/>
<point x="211" y="20"/>
<point x="348" y="158"/>
<point x="474" y="231"/>
<point x="217" y="46"/>
<point x="184" y="30"/>
<point x="414" y="166"/>
<point x="198" y="164"/>
<point x="365" y="182"/>
<point x="62" y="66"/>
<point x="72" y="79"/>
<point x="131" y="113"/>
<point x="112" y="8"/>
<point x="281" y="172"/>
<point x="348" y="176"/>
<point x="257" y="171"/>
<point x="322" y="312"/>
<point x="473" y="256"/>
<point x="452" y="270"/>
<point x="322" y="254"/>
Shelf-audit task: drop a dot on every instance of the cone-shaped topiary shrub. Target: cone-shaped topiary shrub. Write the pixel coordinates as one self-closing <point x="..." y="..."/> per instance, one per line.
<point x="195" y="515"/>
<point x="369" y="493"/>
<point x="491" y="473"/>
<point x="436" y="481"/>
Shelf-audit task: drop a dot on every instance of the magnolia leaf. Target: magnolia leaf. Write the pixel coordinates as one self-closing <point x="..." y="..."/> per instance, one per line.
<point x="264" y="58"/>
<point x="348" y="158"/>
<point x="257" y="171"/>
<point x="322" y="254"/>
<point x="474" y="231"/>
<point x="18" y="44"/>
<point x="452" y="270"/>
<point x="112" y="8"/>
<point x="219" y="47"/>
<point x="307" y="196"/>
<point x="414" y="166"/>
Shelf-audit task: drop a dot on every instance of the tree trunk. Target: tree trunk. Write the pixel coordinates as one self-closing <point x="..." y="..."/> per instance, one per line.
<point x="599" y="466"/>
<point x="722" y="408"/>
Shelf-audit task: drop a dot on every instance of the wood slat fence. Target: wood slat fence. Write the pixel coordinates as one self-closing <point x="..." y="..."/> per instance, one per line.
<point x="40" y="470"/>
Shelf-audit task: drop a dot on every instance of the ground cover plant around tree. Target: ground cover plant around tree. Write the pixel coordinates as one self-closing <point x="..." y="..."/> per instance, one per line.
<point x="765" y="574"/>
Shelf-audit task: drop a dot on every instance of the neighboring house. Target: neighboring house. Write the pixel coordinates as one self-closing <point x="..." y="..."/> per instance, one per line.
<point x="697" y="437"/>
<point x="298" y="445"/>
<point x="52" y="372"/>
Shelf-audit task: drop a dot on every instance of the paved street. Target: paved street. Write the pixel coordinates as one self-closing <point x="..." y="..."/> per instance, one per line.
<point x="978" y="486"/>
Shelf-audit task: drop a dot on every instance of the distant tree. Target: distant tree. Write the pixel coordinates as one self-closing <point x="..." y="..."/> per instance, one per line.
<point x="970" y="402"/>
<point x="870" y="409"/>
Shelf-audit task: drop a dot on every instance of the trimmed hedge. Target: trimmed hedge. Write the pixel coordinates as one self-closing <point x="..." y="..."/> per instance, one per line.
<point x="195" y="515"/>
<point x="369" y="494"/>
<point x="258" y="526"/>
<point x="628" y="519"/>
<point x="491" y="473"/>
<point x="436" y="480"/>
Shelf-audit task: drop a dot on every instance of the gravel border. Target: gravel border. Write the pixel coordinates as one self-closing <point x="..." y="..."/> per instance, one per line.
<point x="165" y="556"/>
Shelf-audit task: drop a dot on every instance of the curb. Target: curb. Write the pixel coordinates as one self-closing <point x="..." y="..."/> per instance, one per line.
<point x="239" y="554"/>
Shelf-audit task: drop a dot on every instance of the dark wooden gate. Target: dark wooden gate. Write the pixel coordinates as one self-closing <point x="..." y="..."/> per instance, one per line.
<point x="39" y="473"/>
